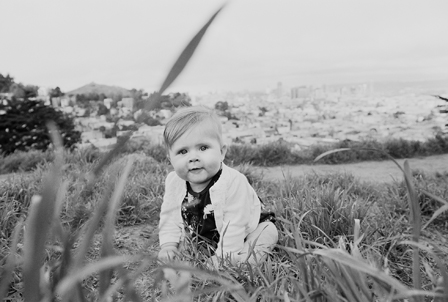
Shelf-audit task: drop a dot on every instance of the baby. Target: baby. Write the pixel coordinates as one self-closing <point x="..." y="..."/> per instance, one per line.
<point x="208" y="200"/>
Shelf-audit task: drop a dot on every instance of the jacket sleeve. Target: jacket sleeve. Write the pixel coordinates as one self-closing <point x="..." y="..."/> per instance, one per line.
<point x="241" y="215"/>
<point x="170" y="224"/>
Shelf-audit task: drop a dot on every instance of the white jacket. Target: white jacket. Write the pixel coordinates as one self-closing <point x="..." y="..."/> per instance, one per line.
<point x="236" y="208"/>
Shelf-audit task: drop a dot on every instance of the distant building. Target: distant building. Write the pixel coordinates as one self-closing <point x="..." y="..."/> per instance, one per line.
<point x="107" y="102"/>
<point x="279" y="90"/>
<point x="301" y="92"/>
<point x="127" y="102"/>
<point x="154" y="133"/>
<point x="65" y="101"/>
<point x="56" y="102"/>
<point x="88" y="136"/>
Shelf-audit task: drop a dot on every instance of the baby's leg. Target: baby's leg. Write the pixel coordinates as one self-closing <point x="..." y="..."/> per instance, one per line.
<point x="262" y="240"/>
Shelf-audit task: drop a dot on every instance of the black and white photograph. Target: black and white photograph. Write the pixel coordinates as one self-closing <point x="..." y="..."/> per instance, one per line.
<point x="224" y="150"/>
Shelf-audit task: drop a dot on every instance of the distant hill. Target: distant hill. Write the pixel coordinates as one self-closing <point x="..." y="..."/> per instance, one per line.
<point x="109" y="91"/>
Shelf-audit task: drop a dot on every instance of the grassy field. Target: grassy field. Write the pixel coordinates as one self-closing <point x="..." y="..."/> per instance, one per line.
<point x="82" y="227"/>
<point x="272" y="154"/>
<point x="70" y="230"/>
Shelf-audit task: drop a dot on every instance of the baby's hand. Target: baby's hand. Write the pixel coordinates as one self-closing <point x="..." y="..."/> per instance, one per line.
<point x="167" y="251"/>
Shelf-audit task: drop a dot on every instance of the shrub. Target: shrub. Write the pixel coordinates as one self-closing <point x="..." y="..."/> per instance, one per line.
<point x="23" y="126"/>
<point x="21" y="161"/>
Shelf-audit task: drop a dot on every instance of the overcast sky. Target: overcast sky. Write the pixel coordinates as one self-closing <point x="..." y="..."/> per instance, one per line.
<point x="253" y="44"/>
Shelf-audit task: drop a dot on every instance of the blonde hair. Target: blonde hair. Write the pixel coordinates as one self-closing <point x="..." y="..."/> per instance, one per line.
<point x="186" y="118"/>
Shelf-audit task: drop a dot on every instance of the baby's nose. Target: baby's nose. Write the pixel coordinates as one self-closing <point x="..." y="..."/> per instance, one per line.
<point x="193" y="156"/>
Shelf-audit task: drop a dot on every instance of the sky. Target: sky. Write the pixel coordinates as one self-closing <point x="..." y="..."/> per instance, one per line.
<point x="251" y="45"/>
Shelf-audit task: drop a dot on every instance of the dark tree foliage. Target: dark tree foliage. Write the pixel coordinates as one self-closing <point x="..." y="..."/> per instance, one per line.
<point x="23" y="126"/>
<point x="5" y="83"/>
<point x="23" y="91"/>
<point x="222" y="106"/>
<point x="145" y="118"/>
<point x="56" y="92"/>
<point x="102" y="109"/>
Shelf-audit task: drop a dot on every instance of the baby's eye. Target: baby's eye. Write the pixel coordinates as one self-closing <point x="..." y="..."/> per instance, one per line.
<point x="203" y="148"/>
<point x="183" y="151"/>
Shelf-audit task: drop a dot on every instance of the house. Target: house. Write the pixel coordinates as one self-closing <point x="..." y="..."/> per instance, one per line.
<point x="154" y="133"/>
<point x="105" y="144"/>
<point x="88" y="136"/>
<point x="108" y="102"/>
<point x="124" y="123"/>
<point x="127" y="103"/>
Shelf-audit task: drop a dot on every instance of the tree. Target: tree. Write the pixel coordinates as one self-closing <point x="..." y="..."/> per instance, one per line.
<point x="145" y="118"/>
<point x="23" y="126"/>
<point x="17" y="90"/>
<point x="5" y="83"/>
<point x="180" y="100"/>
<point x="222" y="106"/>
<point x="56" y="92"/>
<point x="23" y="92"/>
<point x="102" y="109"/>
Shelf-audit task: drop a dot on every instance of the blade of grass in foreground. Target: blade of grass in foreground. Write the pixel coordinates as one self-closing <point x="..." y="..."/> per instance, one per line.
<point x="65" y="287"/>
<point x="177" y="68"/>
<point x="439" y="211"/>
<point x="8" y="267"/>
<point x="415" y="219"/>
<point x="182" y="61"/>
<point x="109" y="226"/>
<point x="38" y="225"/>
<point x="341" y="257"/>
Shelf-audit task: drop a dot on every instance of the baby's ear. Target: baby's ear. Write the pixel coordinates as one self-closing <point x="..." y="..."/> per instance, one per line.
<point x="223" y="151"/>
<point x="168" y="157"/>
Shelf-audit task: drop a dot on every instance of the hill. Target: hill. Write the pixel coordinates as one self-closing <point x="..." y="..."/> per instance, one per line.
<point x="99" y="88"/>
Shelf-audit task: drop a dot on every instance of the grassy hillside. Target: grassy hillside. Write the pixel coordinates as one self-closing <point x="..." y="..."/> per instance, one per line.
<point x="272" y="154"/>
<point x="340" y="240"/>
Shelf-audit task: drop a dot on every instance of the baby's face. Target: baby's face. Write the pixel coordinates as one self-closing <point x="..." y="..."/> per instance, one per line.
<point x="197" y="156"/>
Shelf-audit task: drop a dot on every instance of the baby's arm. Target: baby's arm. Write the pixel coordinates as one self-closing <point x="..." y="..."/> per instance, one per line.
<point x="242" y="209"/>
<point x="170" y="224"/>
<point x="168" y="251"/>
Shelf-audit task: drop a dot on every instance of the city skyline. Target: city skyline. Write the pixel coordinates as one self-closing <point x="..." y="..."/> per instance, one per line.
<point x="251" y="45"/>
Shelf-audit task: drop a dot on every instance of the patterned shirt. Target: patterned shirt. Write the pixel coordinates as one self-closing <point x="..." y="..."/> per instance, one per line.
<point x="199" y="219"/>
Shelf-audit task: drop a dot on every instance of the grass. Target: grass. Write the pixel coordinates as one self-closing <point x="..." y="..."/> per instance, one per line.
<point x="65" y="223"/>
<point x="338" y="237"/>
<point x="272" y="154"/>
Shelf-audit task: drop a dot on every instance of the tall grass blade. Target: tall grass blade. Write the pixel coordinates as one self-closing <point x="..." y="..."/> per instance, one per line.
<point x="440" y="264"/>
<point x="8" y="268"/>
<point x="70" y="281"/>
<point x="107" y="158"/>
<point x="331" y="152"/>
<point x="122" y="281"/>
<point x="38" y="224"/>
<point x="186" y="55"/>
<point x="415" y="219"/>
<point x="91" y="227"/>
<point x="436" y="214"/>
<point x="58" y="229"/>
<point x="109" y="226"/>
<point x="439" y="211"/>
<point x="361" y="266"/>
<point x="367" y="149"/>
